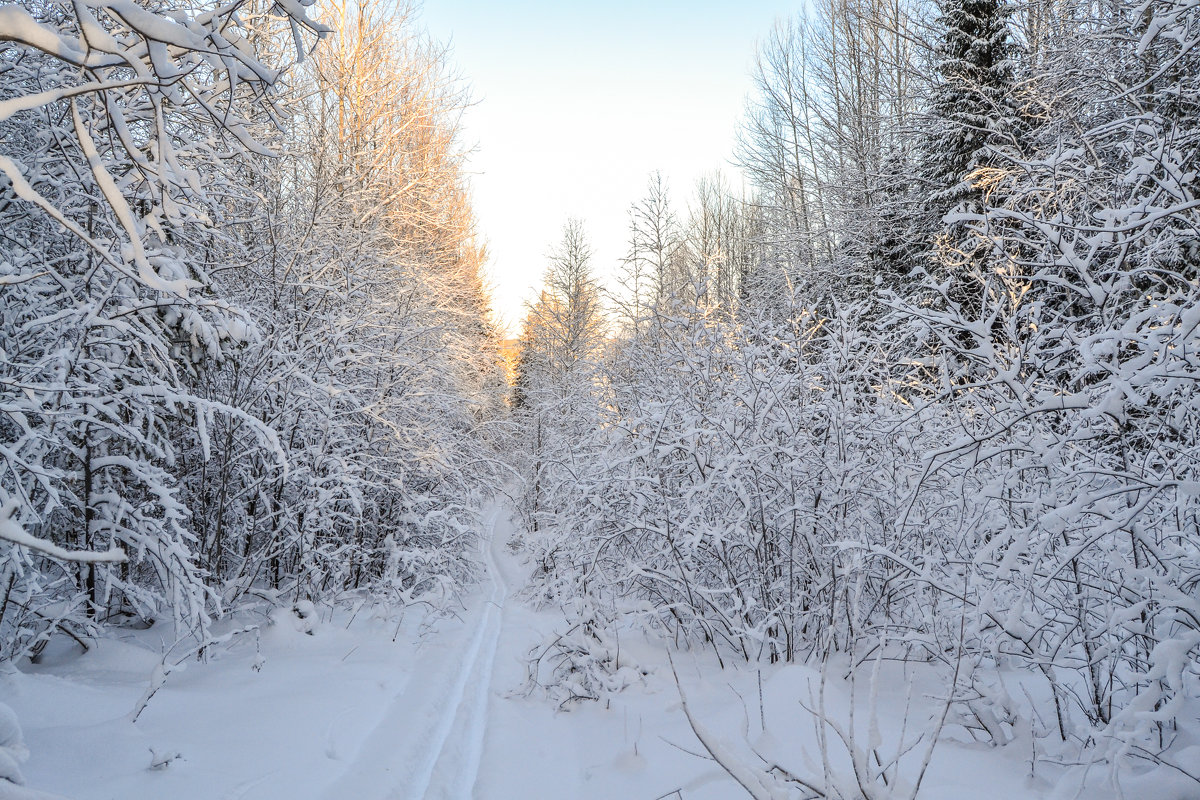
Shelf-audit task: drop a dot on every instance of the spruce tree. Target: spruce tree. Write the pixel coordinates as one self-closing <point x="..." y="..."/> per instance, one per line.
<point x="973" y="104"/>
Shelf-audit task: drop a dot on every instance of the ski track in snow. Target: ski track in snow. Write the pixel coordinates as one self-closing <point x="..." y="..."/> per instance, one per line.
<point x="419" y="720"/>
<point x="466" y="716"/>
<point x="429" y="743"/>
<point x="494" y="609"/>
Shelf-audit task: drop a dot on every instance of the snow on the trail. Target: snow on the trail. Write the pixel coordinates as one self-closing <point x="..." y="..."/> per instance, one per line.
<point x="322" y="705"/>
<point x="337" y="710"/>
<point x="483" y="686"/>
<point x="449" y="768"/>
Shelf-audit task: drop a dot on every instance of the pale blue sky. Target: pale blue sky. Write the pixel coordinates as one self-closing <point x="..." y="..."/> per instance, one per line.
<point x="578" y="103"/>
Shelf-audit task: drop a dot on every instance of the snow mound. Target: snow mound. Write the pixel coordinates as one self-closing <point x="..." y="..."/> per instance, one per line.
<point x="13" y="751"/>
<point x="301" y="617"/>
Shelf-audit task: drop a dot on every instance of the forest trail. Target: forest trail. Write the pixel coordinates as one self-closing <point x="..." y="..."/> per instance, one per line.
<point x="451" y="767"/>
<point x="430" y="709"/>
<point x="430" y="741"/>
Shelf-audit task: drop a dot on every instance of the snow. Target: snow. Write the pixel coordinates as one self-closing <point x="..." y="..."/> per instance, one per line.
<point x="325" y="703"/>
<point x="12" y="747"/>
<point x="12" y="532"/>
<point x="273" y="390"/>
<point x="16" y="25"/>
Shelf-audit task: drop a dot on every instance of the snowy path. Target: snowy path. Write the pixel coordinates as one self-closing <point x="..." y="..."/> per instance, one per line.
<point x="363" y="710"/>
<point x="430" y="741"/>
<point x="451" y="768"/>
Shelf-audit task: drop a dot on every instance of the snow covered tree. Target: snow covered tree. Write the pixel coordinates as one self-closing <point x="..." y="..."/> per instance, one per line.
<point x="561" y="342"/>
<point x="1069" y="362"/>
<point x="655" y="269"/>
<point x="991" y="469"/>
<point x="826" y="141"/>
<point x="974" y="104"/>
<point x="225" y="373"/>
<point x="377" y="363"/>
<point x="118" y="126"/>
<point x="778" y="151"/>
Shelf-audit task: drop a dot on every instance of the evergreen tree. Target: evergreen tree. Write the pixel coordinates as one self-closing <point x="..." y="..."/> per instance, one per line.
<point x="973" y="114"/>
<point x="973" y="104"/>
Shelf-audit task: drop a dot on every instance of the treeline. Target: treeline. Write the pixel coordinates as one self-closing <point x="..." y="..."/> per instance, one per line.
<point x="244" y="343"/>
<point x="931" y="389"/>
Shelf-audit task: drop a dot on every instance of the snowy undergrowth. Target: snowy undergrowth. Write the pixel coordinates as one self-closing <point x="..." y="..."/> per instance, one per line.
<point x="298" y="709"/>
<point x="803" y="731"/>
<point x="900" y="724"/>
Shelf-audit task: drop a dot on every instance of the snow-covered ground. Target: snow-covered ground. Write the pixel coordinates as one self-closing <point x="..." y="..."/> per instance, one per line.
<point x="365" y="709"/>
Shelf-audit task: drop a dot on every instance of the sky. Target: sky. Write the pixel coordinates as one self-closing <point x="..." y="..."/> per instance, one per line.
<point x="578" y="103"/>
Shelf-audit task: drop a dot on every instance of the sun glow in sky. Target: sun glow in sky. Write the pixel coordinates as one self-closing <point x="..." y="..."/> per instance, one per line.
<point x="577" y="103"/>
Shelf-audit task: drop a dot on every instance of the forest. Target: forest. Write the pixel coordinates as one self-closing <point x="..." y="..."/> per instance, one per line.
<point x="913" y="385"/>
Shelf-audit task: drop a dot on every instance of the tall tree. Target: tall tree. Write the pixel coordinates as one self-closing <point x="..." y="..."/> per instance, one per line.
<point x="655" y="268"/>
<point x="560" y="345"/>
<point x="974" y="105"/>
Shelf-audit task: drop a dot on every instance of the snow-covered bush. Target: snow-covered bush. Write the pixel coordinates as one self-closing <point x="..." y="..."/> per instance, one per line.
<point x="585" y="662"/>
<point x="994" y="458"/>
<point x="241" y="348"/>
<point x="745" y="484"/>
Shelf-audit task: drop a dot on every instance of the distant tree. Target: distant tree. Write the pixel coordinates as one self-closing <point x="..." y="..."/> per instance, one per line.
<point x="777" y="148"/>
<point x="560" y="346"/>
<point x="828" y="125"/>
<point x="655" y="268"/>
<point x="718" y="242"/>
<point x="564" y="329"/>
